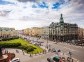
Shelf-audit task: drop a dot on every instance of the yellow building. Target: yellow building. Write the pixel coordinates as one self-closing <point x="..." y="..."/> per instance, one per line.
<point x="34" y="31"/>
<point x="26" y="31"/>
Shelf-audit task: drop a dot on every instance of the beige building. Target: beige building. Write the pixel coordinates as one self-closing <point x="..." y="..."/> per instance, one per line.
<point x="34" y="31"/>
<point x="26" y="31"/>
<point x="7" y="32"/>
<point x="45" y="32"/>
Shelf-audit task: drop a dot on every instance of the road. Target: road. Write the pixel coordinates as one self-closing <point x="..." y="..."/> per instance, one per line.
<point x="77" y="51"/>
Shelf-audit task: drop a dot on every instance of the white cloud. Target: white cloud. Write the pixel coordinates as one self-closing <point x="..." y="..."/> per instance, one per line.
<point x="22" y="15"/>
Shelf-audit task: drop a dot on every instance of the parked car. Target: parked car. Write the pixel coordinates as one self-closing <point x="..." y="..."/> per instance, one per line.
<point x="15" y="60"/>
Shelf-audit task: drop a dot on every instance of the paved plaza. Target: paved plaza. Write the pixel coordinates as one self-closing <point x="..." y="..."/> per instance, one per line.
<point x="77" y="52"/>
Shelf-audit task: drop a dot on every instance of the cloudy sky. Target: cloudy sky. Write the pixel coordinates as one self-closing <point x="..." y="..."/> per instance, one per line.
<point x="22" y="14"/>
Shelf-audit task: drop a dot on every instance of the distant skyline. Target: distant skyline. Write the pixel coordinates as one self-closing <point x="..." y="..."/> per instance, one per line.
<point x="21" y="14"/>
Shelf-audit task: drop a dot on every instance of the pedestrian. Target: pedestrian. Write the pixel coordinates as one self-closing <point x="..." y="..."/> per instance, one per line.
<point x="70" y="53"/>
<point x="17" y="51"/>
<point x="43" y="51"/>
<point x="49" y="50"/>
<point x="30" y="55"/>
<point x="59" y="50"/>
<point x="60" y="60"/>
<point x="23" y="52"/>
<point x="7" y="51"/>
<point x="48" y="59"/>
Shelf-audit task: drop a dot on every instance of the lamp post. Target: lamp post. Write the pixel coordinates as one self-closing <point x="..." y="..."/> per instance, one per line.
<point x="47" y="41"/>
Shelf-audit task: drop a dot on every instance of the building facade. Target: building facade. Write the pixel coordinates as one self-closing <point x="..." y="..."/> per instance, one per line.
<point x="63" y="31"/>
<point x="7" y="32"/>
<point x="26" y="31"/>
<point x="80" y="33"/>
<point x="45" y="32"/>
<point x="34" y="31"/>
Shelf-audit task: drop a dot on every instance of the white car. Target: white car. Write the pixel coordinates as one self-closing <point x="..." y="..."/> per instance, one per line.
<point x="15" y="60"/>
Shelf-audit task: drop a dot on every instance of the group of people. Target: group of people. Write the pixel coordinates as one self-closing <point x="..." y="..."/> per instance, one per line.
<point x="5" y="51"/>
<point x="60" y="56"/>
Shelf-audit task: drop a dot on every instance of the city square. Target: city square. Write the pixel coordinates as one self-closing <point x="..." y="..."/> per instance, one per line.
<point x="41" y="31"/>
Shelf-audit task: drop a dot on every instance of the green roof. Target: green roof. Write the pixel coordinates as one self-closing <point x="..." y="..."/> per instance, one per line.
<point x="61" y="19"/>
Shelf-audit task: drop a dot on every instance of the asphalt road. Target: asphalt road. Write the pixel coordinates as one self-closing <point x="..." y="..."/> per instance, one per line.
<point x="77" y="51"/>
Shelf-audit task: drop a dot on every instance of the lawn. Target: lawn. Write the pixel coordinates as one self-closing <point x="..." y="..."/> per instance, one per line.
<point x="25" y="43"/>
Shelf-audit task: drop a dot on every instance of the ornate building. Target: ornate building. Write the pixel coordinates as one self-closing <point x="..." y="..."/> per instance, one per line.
<point x="63" y="31"/>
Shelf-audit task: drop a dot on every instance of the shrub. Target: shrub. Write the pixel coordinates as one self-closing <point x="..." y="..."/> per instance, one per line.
<point x="10" y="45"/>
<point x="30" y="48"/>
<point x="27" y="48"/>
<point x="10" y="38"/>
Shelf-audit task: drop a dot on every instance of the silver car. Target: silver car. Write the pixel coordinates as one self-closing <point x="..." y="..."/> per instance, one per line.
<point x="15" y="60"/>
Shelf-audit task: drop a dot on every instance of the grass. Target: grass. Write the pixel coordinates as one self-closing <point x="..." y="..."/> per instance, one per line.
<point x="25" y="43"/>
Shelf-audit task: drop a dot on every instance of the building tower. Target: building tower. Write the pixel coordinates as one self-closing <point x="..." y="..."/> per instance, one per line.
<point x="61" y="19"/>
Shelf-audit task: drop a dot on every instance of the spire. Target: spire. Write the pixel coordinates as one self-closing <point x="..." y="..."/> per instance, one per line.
<point x="61" y="19"/>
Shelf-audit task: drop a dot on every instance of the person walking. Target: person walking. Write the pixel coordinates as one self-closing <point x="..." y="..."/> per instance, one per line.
<point x="23" y="52"/>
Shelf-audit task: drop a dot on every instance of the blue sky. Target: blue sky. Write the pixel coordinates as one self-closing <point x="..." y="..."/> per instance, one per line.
<point x="22" y="14"/>
<point x="2" y="2"/>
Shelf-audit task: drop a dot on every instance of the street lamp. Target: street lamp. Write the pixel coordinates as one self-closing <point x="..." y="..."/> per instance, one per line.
<point x="47" y="41"/>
